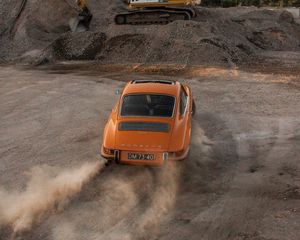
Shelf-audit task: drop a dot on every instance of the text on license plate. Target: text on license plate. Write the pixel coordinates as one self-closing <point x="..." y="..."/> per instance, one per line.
<point x="140" y="156"/>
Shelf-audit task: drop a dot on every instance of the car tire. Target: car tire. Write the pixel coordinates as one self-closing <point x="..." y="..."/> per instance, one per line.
<point x="193" y="108"/>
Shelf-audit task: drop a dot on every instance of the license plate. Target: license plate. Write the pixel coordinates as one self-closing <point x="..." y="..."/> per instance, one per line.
<point x="140" y="156"/>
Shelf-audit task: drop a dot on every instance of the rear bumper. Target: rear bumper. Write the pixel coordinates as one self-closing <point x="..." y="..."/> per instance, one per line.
<point x="179" y="157"/>
<point x="161" y="157"/>
<point x="106" y="156"/>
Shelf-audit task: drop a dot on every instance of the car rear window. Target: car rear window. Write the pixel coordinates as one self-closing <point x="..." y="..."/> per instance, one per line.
<point x="148" y="105"/>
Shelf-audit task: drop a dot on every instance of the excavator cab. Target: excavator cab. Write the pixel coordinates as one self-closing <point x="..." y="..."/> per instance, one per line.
<point x="81" y="23"/>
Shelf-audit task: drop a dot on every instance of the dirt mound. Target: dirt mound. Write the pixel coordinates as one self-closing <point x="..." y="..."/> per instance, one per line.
<point x="76" y="47"/>
<point x="286" y="16"/>
<point x="216" y="36"/>
<point x="143" y="48"/>
<point x="271" y="30"/>
<point x="32" y="25"/>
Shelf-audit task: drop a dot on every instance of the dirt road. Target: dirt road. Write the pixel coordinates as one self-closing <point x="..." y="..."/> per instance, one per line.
<point x="241" y="181"/>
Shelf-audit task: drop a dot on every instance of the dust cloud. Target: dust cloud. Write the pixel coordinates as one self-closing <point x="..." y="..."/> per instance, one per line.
<point x="48" y="190"/>
<point x="64" y="231"/>
<point x="145" y="219"/>
<point x="203" y="146"/>
<point x="163" y="198"/>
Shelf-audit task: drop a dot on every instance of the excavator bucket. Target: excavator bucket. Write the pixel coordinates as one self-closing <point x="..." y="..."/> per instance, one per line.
<point x="76" y="25"/>
<point x="81" y="23"/>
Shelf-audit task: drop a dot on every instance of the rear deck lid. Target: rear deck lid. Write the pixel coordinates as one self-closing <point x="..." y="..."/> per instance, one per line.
<point x="143" y="135"/>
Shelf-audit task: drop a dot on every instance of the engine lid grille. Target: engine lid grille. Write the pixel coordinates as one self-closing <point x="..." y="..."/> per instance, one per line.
<point x="144" y="126"/>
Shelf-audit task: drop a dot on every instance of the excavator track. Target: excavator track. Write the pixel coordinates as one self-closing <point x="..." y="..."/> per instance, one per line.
<point x="154" y="16"/>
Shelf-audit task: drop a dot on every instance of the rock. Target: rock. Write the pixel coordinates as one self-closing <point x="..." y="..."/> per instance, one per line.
<point x="287" y="17"/>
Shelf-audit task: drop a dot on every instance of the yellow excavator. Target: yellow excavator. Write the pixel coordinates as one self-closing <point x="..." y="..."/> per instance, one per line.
<point x="140" y="12"/>
<point x="81" y="23"/>
<point x="157" y="11"/>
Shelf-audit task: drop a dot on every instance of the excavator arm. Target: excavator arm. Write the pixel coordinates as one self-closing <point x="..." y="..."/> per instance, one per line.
<point x="81" y="23"/>
<point x="82" y="4"/>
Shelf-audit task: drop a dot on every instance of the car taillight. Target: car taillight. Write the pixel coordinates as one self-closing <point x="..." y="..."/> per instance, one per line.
<point x="108" y="151"/>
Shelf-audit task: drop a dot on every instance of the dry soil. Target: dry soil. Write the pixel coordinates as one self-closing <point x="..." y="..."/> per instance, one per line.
<point x="241" y="180"/>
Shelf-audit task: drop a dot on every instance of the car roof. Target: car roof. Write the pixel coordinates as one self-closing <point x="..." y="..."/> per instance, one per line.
<point x="152" y="86"/>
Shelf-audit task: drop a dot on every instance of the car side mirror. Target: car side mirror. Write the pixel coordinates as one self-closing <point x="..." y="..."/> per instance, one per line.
<point x="118" y="92"/>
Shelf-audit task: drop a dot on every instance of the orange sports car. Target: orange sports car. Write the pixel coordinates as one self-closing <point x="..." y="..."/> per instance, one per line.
<point x="151" y="123"/>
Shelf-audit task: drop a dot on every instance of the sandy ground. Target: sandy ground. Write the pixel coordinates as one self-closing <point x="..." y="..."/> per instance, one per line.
<point x="241" y="180"/>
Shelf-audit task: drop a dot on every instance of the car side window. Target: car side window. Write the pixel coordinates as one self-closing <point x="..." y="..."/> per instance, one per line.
<point x="183" y="102"/>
